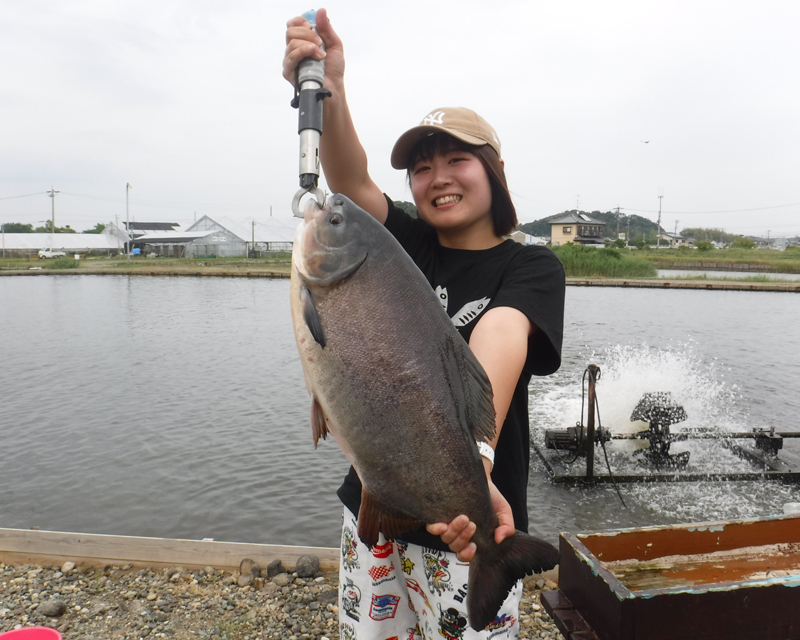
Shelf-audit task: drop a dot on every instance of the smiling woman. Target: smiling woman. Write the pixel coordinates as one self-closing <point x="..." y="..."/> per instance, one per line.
<point x="433" y="145"/>
<point x="506" y="300"/>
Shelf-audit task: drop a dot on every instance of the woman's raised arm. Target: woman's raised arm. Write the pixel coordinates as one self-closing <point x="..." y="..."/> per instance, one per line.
<point x="342" y="156"/>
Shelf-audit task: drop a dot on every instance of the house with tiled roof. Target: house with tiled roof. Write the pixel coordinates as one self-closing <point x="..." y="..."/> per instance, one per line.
<point x="576" y="227"/>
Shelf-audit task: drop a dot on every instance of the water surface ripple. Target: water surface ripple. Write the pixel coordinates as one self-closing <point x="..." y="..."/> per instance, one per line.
<point x="176" y="406"/>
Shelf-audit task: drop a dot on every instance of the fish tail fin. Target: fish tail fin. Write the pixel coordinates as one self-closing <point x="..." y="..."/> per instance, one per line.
<point x="492" y="575"/>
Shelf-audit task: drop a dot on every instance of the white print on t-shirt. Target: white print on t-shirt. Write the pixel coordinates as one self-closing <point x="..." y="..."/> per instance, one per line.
<point x="465" y="314"/>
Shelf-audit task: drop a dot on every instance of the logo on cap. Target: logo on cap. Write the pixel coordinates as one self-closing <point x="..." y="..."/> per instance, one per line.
<point x="433" y="118"/>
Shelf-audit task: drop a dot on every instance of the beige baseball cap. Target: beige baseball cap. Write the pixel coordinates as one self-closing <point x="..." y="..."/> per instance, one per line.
<point x="461" y="123"/>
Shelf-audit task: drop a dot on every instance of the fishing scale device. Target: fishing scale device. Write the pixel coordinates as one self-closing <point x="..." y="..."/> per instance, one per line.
<point x="308" y="97"/>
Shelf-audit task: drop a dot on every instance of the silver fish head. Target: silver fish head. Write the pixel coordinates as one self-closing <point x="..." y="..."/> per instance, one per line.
<point x="332" y="242"/>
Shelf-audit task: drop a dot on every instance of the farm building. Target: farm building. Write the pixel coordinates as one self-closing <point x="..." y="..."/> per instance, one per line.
<point x="29" y="244"/>
<point x="253" y="236"/>
<point x="206" y="237"/>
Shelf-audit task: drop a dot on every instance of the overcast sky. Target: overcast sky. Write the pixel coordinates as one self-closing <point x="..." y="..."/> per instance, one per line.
<point x="184" y="100"/>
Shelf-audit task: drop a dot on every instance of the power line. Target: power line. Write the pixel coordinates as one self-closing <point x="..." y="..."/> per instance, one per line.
<point x="165" y="203"/>
<point x="779" y="206"/>
<point x="27" y="195"/>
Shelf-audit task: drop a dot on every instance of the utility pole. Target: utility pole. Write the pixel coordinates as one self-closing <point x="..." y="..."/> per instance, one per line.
<point x="52" y="193"/>
<point x="128" y="220"/>
<point x="628" y="233"/>
<point x="675" y="237"/>
<point x="658" y="224"/>
<point x="617" y="238"/>
<point x="254" y="238"/>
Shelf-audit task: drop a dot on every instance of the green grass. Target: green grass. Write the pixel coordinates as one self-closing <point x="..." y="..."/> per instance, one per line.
<point x="728" y="278"/>
<point x="62" y="263"/>
<point x="594" y="262"/>
<point x="787" y="261"/>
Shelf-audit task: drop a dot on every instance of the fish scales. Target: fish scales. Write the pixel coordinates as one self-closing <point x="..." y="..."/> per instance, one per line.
<point x="400" y="391"/>
<point x="374" y="380"/>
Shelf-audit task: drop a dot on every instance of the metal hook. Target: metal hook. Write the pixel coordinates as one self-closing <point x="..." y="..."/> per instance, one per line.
<point x="318" y="193"/>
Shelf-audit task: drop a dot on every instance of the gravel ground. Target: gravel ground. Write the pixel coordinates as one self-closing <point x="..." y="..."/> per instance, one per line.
<point x="125" y="603"/>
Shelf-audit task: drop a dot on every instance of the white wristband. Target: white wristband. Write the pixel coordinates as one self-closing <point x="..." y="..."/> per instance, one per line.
<point x="486" y="451"/>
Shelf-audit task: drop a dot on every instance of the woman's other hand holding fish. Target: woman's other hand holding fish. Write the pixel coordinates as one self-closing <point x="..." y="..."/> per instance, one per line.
<point x="458" y="534"/>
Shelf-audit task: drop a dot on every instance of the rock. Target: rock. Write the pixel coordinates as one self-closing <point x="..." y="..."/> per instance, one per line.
<point x="245" y="580"/>
<point x="274" y="568"/>
<point x="249" y="566"/>
<point x="53" y="608"/>
<point x="209" y="570"/>
<point x="282" y="579"/>
<point x="270" y="588"/>
<point x="67" y="567"/>
<point x="307" y="566"/>
<point x="331" y="595"/>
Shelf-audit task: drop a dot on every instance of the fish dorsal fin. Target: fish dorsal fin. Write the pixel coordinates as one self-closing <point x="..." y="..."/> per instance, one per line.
<point x="373" y="518"/>
<point x="481" y="417"/>
<point x="311" y="317"/>
<point x="470" y="386"/>
<point x="319" y="425"/>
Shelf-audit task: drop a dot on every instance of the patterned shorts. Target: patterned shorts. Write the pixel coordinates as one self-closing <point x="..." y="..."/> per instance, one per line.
<point x="401" y="591"/>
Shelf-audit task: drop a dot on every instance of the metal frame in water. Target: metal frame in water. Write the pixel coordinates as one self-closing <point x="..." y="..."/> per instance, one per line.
<point x="766" y="457"/>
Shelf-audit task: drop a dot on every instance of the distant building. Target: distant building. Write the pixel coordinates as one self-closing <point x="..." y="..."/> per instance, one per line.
<point x="29" y="244"/>
<point x="527" y="239"/>
<point x="673" y="239"/>
<point x="576" y="227"/>
<point x="205" y="237"/>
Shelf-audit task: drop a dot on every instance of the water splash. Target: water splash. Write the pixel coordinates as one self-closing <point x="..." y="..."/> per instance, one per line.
<point x="712" y="401"/>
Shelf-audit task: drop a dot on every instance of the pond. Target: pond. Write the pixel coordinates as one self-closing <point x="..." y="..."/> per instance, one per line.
<point x="176" y="406"/>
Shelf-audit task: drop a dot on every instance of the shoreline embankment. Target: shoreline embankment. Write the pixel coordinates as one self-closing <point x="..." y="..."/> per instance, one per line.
<point x="256" y="272"/>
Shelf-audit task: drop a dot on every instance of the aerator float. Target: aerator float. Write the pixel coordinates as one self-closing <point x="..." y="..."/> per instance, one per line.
<point x="761" y="447"/>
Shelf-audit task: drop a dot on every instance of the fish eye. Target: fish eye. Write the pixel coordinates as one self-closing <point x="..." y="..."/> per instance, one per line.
<point x="336" y="219"/>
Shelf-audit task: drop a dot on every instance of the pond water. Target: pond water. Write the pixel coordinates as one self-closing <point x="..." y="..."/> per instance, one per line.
<point x="176" y="407"/>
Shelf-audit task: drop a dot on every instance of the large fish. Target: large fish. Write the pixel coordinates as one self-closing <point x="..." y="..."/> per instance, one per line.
<point x="400" y="390"/>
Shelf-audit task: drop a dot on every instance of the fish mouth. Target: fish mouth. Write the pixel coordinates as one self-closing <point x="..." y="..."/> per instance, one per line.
<point x="449" y="199"/>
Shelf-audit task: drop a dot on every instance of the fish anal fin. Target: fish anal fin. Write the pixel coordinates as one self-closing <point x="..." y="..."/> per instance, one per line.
<point x="311" y="317"/>
<point x="394" y="527"/>
<point x="374" y="519"/>
<point x="319" y="425"/>
<point x="369" y="520"/>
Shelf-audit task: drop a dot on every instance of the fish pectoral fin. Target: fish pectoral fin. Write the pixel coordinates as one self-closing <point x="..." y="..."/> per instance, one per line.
<point x="311" y="317"/>
<point x="374" y="518"/>
<point x="319" y="425"/>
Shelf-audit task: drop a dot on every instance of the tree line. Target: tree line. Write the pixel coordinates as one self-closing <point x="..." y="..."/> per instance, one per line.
<point x="19" y="227"/>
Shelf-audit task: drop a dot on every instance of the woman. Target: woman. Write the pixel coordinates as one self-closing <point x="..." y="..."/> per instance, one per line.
<point x="506" y="301"/>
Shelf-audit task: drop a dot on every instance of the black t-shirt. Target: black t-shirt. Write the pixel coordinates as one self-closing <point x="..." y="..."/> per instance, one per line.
<point x="530" y="279"/>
